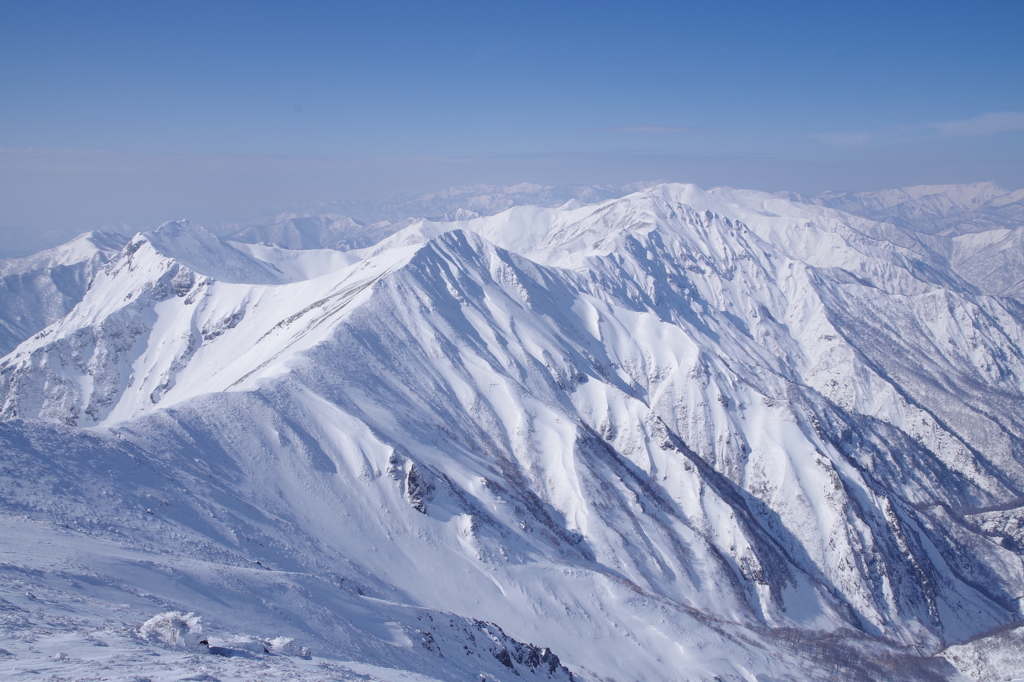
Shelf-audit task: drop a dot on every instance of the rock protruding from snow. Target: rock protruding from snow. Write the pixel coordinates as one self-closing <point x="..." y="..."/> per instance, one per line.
<point x="176" y="629"/>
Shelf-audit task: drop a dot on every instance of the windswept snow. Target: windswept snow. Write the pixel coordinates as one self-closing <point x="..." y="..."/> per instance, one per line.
<point x="684" y="434"/>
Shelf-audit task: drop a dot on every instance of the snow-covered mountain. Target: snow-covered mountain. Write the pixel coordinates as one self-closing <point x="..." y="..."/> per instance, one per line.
<point x="484" y="200"/>
<point x="978" y="228"/>
<point x="993" y="261"/>
<point x="328" y="231"/>
<point x="38" y="290"/>
<point x="683" y="434"/>
<point x="468" y="201"/>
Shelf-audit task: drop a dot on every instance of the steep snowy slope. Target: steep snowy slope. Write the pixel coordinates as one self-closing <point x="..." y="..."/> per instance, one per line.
<point x="38" y="290"/>
<point x="178" y="313"/>
<point x="133" y="536"/>
<point x="679" y="435"/>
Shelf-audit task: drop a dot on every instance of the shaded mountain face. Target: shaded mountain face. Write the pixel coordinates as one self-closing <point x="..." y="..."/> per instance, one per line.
<point x="677" y="435"/>
<point x="38" y="290"/>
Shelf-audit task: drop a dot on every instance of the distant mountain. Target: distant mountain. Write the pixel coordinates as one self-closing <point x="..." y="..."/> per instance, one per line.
<point x="481" y="200"/>
<point x="486" y="200"/>
<point x="944" y="210"/>
<point x="38" y="290"/>
<point x="328" y="231"/>
<point x="979" y="228"/>
<point x="993" y="261"/>
<point x="345" y="225"/>
<point x="682" y="434"/>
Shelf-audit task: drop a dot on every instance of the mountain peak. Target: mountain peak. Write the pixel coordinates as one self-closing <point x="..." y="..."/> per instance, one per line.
<point x="200" y="250"/>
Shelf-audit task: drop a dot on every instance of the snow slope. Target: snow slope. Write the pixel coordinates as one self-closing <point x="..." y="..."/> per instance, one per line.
<point x="678" y="435"/>
<point x="993" y="261"/>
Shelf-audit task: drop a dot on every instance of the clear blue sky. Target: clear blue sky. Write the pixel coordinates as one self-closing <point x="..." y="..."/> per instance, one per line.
<point x="116" y="106"/>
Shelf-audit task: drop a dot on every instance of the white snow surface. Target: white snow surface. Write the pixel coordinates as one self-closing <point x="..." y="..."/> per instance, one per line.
<point x="681" y="435"/>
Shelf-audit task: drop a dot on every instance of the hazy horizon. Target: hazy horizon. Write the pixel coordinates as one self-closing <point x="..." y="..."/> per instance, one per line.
<point x="117" y="114"/>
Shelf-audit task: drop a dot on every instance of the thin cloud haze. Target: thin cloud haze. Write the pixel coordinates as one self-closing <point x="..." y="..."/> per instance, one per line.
<point x="978" y="126"/>
<point x="845" y="139"/>
<point x="985" y="124"/>
<point x="154" y="111"/>
<point x="656" y="130"/>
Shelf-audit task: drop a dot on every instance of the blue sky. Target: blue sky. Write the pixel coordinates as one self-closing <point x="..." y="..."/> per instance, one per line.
<point x="117" y="111"/>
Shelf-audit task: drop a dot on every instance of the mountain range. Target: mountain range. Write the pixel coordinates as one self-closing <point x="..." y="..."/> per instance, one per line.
<point x="673" y="435"/>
